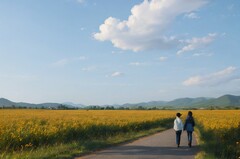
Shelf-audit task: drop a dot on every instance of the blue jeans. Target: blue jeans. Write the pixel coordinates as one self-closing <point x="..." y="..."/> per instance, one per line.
<point x="189" y="134"/>
<point x="178" y="137"/>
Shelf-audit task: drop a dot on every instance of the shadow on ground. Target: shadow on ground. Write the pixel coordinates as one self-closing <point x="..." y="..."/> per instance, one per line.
<point x="148" y="150"/>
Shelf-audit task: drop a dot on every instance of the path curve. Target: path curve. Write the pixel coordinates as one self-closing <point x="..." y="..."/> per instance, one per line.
<point x="158" y="146"/>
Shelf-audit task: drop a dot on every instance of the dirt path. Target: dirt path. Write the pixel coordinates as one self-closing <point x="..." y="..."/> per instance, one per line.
<point x="159" y="146"/>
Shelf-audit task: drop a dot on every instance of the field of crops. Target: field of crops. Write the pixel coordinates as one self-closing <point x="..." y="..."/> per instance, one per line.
<point x="218" y="119"/>
<point x="220" y="131"/>
<point x="21" y="129"/>
<point x="29" y="129"/>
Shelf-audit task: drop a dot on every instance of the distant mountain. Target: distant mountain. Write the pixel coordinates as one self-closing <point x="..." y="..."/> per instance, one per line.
<point x="7" y="103"/>
<point x="144" y="104"/>
<point x="186" y="101"/>
<point x="73" y="104"/>
<point x="223" y="101"/>
<point x="229" y="100"/>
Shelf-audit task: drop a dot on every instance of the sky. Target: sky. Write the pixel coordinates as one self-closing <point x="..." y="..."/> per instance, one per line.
<point x="121" y="51"/>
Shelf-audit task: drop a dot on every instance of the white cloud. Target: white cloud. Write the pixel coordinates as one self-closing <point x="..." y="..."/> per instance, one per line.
<point x="60" y="63"/>
<point x="192" y="15"/>
<point x="146" y="26"/>
<point x="137" y="63"/>
<point x="196" y="43"/>
<point x="213" y="79"/>
<point x="63" y="62"/>
<point x="163" y="58"/>
<point x="203" y="54"/>
<point x="115" y="74"/>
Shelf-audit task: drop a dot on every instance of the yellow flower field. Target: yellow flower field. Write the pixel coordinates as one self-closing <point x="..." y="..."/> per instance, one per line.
<point x="220" y="132"/>
<point x="218" y="119"/>
<point x="25" y="128"/>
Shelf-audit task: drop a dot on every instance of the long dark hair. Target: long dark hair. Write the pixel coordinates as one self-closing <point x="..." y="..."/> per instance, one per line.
<point x="190" y="113"/>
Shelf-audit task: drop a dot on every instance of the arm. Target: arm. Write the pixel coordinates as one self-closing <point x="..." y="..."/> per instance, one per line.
<point x="186" y="122"/>
<point x="174" y="124"/>
<point x="193" y="124"/>
<point x="182" y="125"/>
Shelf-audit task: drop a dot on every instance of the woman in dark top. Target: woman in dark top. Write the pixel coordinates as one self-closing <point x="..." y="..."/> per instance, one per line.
<point x="189" y="126"/>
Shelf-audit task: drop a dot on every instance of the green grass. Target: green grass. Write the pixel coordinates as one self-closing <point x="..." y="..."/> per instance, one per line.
<point x="80" y="147"/>
<point x="220" y="144"/>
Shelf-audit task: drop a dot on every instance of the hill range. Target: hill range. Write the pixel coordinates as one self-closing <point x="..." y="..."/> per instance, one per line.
<point x="223" y="101"/>
<point x="7" y="103"/>
<point x="200" y="102"/>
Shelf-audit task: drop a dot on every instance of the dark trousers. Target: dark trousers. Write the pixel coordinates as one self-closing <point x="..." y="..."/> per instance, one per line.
<point x="178" y="137"/>
<point x="189" y="135"/>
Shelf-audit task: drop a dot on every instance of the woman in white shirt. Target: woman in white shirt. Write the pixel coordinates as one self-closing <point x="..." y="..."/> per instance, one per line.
<point x="178" y="127"/>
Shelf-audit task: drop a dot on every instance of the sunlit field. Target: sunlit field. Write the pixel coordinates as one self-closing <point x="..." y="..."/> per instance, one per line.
<point x="22" y="130"/>
<point x="218" y="119"/>
<point x="220" y="132"/>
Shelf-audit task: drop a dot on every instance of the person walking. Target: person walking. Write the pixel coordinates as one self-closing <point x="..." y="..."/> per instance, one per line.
<point x="178" y="127"/>
<point x="189" y="127"/>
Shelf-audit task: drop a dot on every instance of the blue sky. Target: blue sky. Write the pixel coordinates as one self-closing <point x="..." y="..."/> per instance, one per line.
<point x="114" y="52"/>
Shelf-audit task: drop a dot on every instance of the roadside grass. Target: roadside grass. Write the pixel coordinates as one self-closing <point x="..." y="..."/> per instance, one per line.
<point x="81" y="147"/>
<point x="202" y="153"/>
<point x="220" y="144"/>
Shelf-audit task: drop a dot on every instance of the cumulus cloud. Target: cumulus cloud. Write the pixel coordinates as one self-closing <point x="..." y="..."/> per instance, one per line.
<point x="196" y="43"/>
<point x="217" y="78"/>
<point x="192" y="15"/>
<point x="145" y="27"/>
